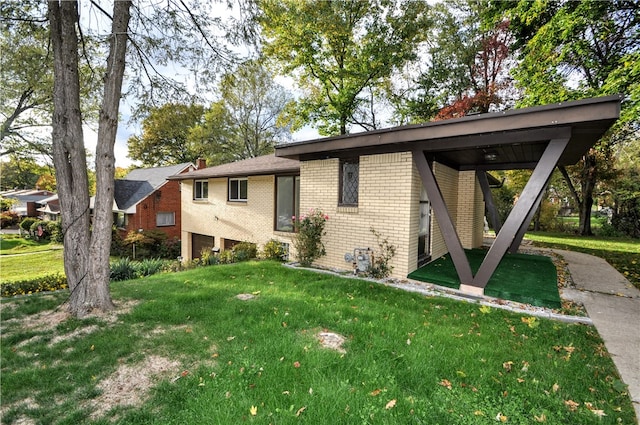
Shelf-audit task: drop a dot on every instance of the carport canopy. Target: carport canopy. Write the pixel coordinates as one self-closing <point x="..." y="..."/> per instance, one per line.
<point x="538" y="138"/>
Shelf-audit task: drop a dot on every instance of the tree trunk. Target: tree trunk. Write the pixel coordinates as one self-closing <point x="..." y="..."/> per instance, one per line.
<point x="587" y="185"/>
<point x="68" y="145"/>
<point x="86" y="253"/>
<point x="100" y="246"/>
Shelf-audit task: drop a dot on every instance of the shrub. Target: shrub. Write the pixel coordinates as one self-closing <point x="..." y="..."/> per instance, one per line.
<point x="244" y="251"/>
<point x="54" y="229"/>
<point x="52" y="282"/>
<point x="26" y="223"/>
<point x="122" y="269"/>
<point x="380" y="267"/>
<point x="274" y="250"/>
<point x="148" y="266"/>
<point x="40" y="230"/>
<point x="8" y="218"/>
<point x="308" y="240"/>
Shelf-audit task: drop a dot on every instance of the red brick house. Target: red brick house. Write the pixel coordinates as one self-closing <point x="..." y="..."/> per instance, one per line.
<point x="146" y="200"/>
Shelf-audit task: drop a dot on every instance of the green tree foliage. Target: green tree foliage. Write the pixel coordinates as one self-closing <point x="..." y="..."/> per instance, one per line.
<point x="244" y="122"/>
<point x="467" y="64"/>
<point x="340" y="53"/>
<point x="27" y="81"/>
<point x="165" y="136"/>
<point x="22" y="172"/>
<point x="571" y="50"/>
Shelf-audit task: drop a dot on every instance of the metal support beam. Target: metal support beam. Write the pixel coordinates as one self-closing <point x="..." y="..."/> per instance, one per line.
<point x="517" y="240"/>
<point x="449" y="233"/>
<point x="520" y="211"/>
<point x="488" y="200"/>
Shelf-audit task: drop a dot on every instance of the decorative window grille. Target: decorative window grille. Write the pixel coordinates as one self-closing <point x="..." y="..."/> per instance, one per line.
<point x="349" y="181"/>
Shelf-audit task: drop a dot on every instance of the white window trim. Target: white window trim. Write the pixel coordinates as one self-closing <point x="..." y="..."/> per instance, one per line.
<point x="238" y="199"/>
<point x="198" y="196"/>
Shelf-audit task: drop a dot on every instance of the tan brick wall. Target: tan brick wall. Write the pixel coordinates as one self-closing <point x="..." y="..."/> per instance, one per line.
<point x="251" y="221"/>
<point x="389" y="195"/>
<point x="388" y="202"/>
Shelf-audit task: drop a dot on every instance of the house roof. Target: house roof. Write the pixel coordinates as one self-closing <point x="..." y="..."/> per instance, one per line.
<point x="493" y="141"/>
<point x="157" y="176"/>
<point x="142" y="182"/>
<point x="261" y="165"/>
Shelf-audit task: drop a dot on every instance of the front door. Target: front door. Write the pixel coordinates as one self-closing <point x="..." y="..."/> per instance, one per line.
<point x="424" y="242"/>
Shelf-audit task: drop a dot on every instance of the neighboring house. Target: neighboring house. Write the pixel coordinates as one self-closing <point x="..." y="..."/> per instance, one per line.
<point x="27" y="200"/>
<point x="49" y="208"/>
<point x="391" y="180"/>
<point x="251" y="200"/>
<point x="146" y="200"/>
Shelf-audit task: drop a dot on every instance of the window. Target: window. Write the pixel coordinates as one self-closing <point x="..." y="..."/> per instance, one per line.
<point x="165" y="219"/>
<point x="201" y="189"/>
<point x="287" y="202"/>
<point x="349" y="181"/>
<point x="238" y="189"/>
<point x="120" y="220"/>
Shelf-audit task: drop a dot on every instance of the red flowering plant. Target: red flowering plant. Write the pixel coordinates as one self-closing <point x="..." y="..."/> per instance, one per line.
<point x="308" y="240"/>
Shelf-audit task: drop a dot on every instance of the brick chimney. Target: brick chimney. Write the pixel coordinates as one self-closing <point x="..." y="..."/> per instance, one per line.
<point x="201" y="163"/>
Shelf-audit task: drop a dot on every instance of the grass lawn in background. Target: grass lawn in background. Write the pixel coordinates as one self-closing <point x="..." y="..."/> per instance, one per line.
<point x="14" y="244"/>
<point x="185" y="349"/>
<point x="622" y="253"/>
<point x="32" y="265"/>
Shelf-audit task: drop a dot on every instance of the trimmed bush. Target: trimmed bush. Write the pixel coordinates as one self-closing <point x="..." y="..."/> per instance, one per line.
<point x="244" y="251"/>
<point x="26" y="223"/>
<point x="52" y="282"/>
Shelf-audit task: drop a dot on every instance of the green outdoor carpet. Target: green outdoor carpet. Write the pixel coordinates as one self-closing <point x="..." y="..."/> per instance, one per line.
<point x="525" y="278"/>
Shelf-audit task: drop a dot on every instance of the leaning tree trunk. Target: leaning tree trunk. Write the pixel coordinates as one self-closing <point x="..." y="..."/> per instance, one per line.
<point x="86" y="252"/>
<point x="68" y="145"/>
<point x="105" y="160"/>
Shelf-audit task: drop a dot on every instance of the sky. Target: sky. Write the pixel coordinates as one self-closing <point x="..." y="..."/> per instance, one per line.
<point x="93" y="19"/>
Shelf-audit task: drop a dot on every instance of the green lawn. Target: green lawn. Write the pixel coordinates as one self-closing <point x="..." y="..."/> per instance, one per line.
<point x="204" y="356"/>
<point x="31" y="265"/>
<point x="14" y="244"/>
<point x="621" y="253"/>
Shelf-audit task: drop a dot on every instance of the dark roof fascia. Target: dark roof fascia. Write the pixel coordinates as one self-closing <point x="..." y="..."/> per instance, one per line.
<point x="236" y="169"/>
<point x="461" y="132"/>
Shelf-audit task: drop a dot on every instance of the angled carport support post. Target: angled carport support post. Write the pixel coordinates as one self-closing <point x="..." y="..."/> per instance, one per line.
<point x="521" y="211"/>
<point x="449" y="233"/>
<point x="481" y="175"/>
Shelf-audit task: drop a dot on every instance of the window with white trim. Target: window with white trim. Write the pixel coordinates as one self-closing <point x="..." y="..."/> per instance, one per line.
<point x="200" y="189"/>
<point x="165" y="219"/>
<point x="238" y="189"/>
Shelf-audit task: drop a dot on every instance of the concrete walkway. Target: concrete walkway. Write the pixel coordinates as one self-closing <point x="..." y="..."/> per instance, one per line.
<point x="613" y="304"/>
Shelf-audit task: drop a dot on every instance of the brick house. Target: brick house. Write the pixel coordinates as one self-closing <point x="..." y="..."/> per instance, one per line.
<point x="146" y="200"/>
<point x="251" y="200"/>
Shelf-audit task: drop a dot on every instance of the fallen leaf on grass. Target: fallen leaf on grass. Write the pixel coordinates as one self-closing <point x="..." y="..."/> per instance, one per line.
<point x="253" y="410"/>
<point x="555" y="388"/>
<point x="501" y="418"/>
<point x="507" y="365"/>
<point x="593" y="410"/>
<point x="446" y="383"/>
<point x="541" y="418"/>
<point x="391" y="404"/>
<point x="375" y="392"/>
<point x="572" y="405"/>
<point x="300" y="410"/>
